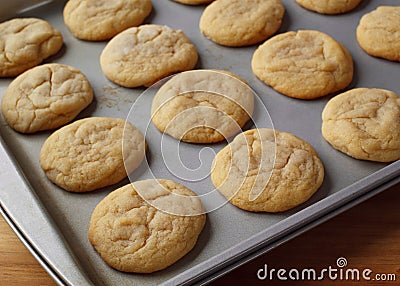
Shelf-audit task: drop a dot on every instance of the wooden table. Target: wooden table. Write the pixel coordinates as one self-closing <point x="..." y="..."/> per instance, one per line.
<point x="367" y="236"/>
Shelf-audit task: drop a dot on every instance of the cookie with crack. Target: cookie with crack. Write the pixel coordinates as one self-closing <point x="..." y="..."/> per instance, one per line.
<point x="378" y="33"/>
<point x="263" y="170"/>
<point x="305" y="64"/>
<point x="238" y="23"/>
<point x="364" y="123"/>
<point x="328" y="6"/>
<point x="142" y="55"/>
<point x="92" y="153"/>
<point x="194" y="2"/>
<point x="202" y="106"/>
<point x="132" y="235"/>
<point x="97" y="20"/>
<point x="45" y="97"/>
<point x="25" y="43"/>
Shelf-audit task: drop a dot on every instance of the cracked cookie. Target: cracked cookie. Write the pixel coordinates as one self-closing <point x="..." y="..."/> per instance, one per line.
<point x="87" y="155"/>
<point x="202" y="106"/>
<point x="263" y="170"/>
<point x="305" y="64"/>
<point x="25" y="43"/>
<point x="329" y="6"/>
<point x="45" y="97"/>
<point x="241" y="22"/>
<point x="378" y="33"/>
<point x="131" y="235"/>
<point x="364" y="123"/>
<point x="97" y="20"/>
<point x="142" y="55"/>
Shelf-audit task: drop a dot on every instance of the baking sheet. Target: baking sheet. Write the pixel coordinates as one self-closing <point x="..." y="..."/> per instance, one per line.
<point x="56" y="222"/>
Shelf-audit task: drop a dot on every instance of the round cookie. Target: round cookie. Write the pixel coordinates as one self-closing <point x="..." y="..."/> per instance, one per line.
<point x="305" y="64"/>
<point x="378" y="33"/>
<point x="142" y="55"/>
<point x="87" y="155"/>
<point x="97" y="20"/>
<point x="194" y="2"/>
<point x="25" y="43"/>
<point x="364" y="123"/>
<point x="202" y="106"/>
<point x="45" y="97"/>
<point x="133" y="236"/>
<point x="328" y="6"/>
<point x="241" y="22"/>
<point x="263" y="170"/>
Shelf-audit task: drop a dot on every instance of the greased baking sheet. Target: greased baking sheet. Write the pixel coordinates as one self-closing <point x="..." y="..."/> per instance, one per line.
<point x="54" y="222"/>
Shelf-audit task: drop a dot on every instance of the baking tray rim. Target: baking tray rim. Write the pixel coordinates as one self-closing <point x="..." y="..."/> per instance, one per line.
<point x="32" y="249"/>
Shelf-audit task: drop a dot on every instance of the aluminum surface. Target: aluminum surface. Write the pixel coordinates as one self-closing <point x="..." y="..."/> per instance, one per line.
<point x="55" y="222"/>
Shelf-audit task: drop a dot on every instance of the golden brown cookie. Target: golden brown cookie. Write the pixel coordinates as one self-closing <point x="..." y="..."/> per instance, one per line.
<point x="364" y="123"/>
<point x="305" y="64"/>
<point x="45" y="97"/>
<point x="133" y="236"/>
<point x="378" y="33"/>
<point x="142" y="55"/>
<point x="263" y="170"/>
<point x="97" y="20"/>
<point x="202" y="106"/>
<point x="87" y="155"/>
<point x="25" y="43"/>
<point x="241" y="22"/>
<point x="329" y="6"/>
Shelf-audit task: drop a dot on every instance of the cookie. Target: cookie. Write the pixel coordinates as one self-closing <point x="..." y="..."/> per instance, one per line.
<point x="238" y="23"/>
<point x="202" y="106"/>
<point x="142" y="55"/>
<point x="305" y="64"/>
<point x="364" y="123"/>
<point x="378" y="33"/>
<point x="25" y="43"/>
<point x="133" y="236"/>
<point x="87" y="155"/>
<point x="101" y="20"/>
<point x="194" y="2"/>
<point x="45" y="97"/>
<point x="263" y="170"/>
<point x="328" y="6"/>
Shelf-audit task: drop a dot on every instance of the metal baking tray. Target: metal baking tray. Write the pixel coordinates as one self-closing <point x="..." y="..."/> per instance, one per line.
<point x="53" y="223"/>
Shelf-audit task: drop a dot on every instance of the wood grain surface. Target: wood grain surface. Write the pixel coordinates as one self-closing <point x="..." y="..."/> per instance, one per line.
<point x="367" y="236"/>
